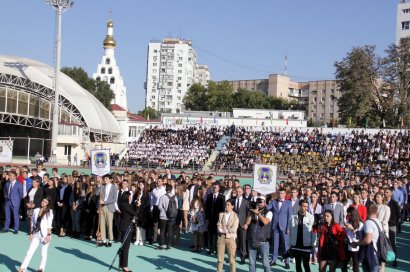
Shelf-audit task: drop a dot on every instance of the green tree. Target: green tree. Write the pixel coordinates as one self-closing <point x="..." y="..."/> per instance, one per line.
<point x="220" y="96"/>
<point x="100" y="89"/>
<point x="150" y="113"/>
<point x="196" y="98"/>
<point x="249" y="99"/>
<point x="361" y="101"/>
<point x="396" y="83"/>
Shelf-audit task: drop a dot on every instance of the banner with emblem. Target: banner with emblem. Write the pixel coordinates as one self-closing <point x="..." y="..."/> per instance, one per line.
<point x="6" y="150"/>
<point x="264" y="178"/>
<point x="100" y="162"/>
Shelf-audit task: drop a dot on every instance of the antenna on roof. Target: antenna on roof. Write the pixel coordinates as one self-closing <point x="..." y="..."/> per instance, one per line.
<point x="286" y="64"/>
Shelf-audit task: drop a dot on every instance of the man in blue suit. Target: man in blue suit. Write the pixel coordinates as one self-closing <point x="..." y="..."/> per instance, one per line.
<point x="13" y="193"/>
<point x="282" y="211"/>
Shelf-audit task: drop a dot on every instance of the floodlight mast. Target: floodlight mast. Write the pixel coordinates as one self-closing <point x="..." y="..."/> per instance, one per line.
<point x="60" y="6"/>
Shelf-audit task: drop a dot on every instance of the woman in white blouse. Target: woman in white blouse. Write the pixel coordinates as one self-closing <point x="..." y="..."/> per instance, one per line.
<point x="383" y="215"/>
<point x="40" y="232"/>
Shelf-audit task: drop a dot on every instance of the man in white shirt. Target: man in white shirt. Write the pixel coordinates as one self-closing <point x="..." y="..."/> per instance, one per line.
<point x="371" y="235"/>
<point x="154" y="199"/>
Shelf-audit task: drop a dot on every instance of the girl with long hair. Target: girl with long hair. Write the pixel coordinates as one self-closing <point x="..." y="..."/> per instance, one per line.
<point x="40" y="233"/>
<point x="331" y="243"/>
<point x="353" y="228"/>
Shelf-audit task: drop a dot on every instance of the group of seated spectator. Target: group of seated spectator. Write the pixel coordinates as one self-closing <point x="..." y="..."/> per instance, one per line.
<point x="334" y="206"/>
<point x="313" y="150"/>
<point x="188" y="147"/>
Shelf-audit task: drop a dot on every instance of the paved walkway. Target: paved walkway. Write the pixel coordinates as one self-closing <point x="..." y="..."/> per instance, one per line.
<point x="68" y="255"/>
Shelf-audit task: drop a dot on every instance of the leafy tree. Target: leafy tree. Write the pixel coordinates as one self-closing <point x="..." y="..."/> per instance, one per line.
<point x="361" y="101"/>
<point x="150" y="113"/>
<point x="220" y="96"/>
<point x="100" y="89"/>
<point x="396" y="79"/>
<point x="196" y="98"/>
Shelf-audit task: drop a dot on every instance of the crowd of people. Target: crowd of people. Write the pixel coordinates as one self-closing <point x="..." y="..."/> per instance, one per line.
<point x="306" y="152"/>
<point x="174" y="148"/>
<point x="321" y="219"/>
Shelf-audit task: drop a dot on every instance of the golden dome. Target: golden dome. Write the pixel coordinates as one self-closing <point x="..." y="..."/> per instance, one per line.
<point x="109" y="42"/>
<point x="110" y="24"/>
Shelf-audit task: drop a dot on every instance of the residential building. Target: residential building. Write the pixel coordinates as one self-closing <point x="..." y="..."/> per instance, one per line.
<point x="171" y="70"/>
<point x="403" y="20"/>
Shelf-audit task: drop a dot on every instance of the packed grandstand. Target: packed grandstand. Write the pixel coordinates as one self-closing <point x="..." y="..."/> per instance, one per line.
<point x="385" y="152"/>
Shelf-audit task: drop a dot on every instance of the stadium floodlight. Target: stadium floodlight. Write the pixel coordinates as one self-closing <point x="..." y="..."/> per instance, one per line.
<point x="60" y="6"/>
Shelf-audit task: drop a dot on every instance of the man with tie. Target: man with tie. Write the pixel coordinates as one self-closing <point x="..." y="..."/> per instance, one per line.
<point x="241" y="208"/>
<point x="13" y="194"/>
<point x="282" y="211"/>
<point x="336" y="208"/>
<point x="365" y="201"/>
<point x="295" y="200"/>
<point x="215" y="204"/>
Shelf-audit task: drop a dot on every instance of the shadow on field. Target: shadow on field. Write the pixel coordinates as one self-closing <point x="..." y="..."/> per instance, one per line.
<point x="79" y="254"/>
<point x="9" y="263"/>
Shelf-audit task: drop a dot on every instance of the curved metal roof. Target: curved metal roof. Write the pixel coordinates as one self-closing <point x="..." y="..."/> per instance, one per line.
<point x="96" y="116"/>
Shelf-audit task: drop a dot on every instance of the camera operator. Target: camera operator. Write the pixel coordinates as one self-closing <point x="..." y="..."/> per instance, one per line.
<point x="258" y="225"/>
<point x="301" y="236"/>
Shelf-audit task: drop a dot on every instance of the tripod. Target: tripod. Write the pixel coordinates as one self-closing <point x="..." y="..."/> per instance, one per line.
<point x="132" y="223"/>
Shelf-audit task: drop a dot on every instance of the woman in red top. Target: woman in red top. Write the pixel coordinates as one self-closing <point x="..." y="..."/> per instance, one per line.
<point x="331" y="243"/>
<point x="361" y="209"/>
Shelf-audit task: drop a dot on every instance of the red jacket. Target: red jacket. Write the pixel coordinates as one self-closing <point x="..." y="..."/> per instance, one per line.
<point x="361" y="209"/>
<point x="340" y="235"/>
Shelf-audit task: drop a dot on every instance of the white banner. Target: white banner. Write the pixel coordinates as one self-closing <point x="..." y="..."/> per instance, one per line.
<point x="100" y="162"/>
<point x="6" y="151"/>
<point x="264" y="178"/>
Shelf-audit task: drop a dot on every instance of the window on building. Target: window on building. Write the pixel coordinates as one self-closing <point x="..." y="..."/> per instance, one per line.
<point x="179" y="84"/>
<point x="154" y="70"/>
<point x="155" y="51"/>
<point x="180" y="65"/>
<point x="406" y="10"/>
<point x="178" y="91"/>
<point x="103" y="70"/>
<point x="107" y="61"/>
<point x="405" y="25"/>
<point x="155" y="58"/>
<point x="179" y="78"/>
<point x="98" y="79"/>
<point x="180" y="58"/>
<point x="154" y="64"/>
<point x="112" y="80"/>
<point x="153" y="97"/>
<point x="179" y="71"/>
<point x="67" y="150"/>
<point x="169" y="84"/>
<point x="110" y="70"/>
<point x="132" y="132"/>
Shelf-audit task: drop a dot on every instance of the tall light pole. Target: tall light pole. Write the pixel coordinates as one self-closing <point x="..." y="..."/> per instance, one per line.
<point x="60" y="6"/>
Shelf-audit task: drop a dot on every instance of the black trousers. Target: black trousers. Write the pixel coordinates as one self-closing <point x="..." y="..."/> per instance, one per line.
<point x="165" y="227"/>
<point x="354" y="256"/>
<point x="125" y="248"/>
<point x="302" y="257"/>
<point x="116" y="226"/>
<point x="242" y="242"/>
<point x="392" y="238"/>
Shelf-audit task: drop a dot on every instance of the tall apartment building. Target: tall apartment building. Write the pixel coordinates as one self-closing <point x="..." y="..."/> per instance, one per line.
<point x="108" y="70"/>
<point x="202" y="75"/>
<point x="319" y="97"/>
<point x="171" y="70"/>
<point x="403" y="20"/>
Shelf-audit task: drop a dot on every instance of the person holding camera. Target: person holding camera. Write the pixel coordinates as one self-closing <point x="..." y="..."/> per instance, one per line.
<point x="227" y="227"/>
<point x="258" y="225"/>
<point x="127" y="216"/>
<point x="301" y="235"/>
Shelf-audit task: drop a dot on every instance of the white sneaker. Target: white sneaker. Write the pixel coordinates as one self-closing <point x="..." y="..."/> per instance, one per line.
<point x="141" y="243"/>
<point x="136" y="243"/>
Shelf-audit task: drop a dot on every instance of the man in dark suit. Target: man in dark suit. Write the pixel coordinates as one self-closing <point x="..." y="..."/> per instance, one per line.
<point x="169" y="175"/>
<point x="247" y="194"/>
<point x="393" y="220"/>
<point x="282" y="211"/>
<point x="295" y="200"/>
<point x="215" y="204"/>
<point x="337" y="209"/>
<point x="365" y="200"/>
<point x="242" y="210"/>
<point x="13" y="192"/>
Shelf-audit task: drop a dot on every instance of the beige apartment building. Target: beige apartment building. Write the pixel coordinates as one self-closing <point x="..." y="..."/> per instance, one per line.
<point x="319" y="97"/>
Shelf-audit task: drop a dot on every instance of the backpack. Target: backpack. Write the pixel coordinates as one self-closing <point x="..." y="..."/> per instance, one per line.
<point x="385" y="251"/>
<point x="172" y="209"/>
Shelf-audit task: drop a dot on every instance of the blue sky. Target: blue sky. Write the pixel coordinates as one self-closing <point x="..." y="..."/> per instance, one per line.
<point x="237" y="39"/>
